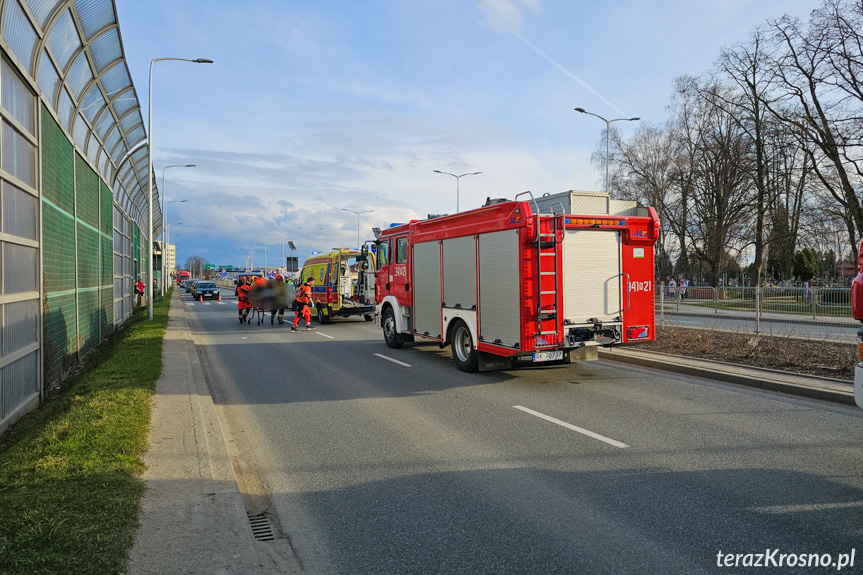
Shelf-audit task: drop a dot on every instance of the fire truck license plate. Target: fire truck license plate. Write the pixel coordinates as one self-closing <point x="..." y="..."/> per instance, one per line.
<point x="547" y="356"/>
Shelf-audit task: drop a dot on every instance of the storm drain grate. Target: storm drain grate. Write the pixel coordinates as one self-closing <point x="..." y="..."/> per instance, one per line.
<point x="261" y="528"/>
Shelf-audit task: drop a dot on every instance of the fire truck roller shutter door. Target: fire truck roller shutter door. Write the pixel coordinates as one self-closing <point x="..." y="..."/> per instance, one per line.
<point x="459" y="272"/>
<point x="427" y="290"/>
<point x="499" y="289"/>
<point x="591" y="275"/>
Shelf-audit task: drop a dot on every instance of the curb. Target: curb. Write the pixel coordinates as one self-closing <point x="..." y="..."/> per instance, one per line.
<point x="811" y="387"/>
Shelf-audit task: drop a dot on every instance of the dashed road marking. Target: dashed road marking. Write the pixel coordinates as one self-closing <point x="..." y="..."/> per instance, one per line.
<point x="393" y="360"/>
<point x="325" y="335"/>
<point x="581" y="430"/>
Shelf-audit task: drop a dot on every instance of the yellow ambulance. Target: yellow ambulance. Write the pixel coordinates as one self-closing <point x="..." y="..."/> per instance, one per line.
<point x="344" y="284"/>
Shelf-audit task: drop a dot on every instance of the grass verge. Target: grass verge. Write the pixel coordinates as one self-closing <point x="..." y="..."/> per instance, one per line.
<point x="806" y="357"/>
<point x="69" y="472"/>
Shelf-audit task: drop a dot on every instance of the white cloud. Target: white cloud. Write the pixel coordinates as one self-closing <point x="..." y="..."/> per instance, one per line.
<point x="506" y="15"/>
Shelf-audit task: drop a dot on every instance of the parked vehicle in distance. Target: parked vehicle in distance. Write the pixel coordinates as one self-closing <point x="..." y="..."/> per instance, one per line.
<point x="205" y="290"/>
<point x="183" y="275"/>
<point x="191" y="284"/>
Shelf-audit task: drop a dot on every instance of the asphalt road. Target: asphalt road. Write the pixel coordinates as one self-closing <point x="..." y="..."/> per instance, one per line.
<point x="393" y="461"/>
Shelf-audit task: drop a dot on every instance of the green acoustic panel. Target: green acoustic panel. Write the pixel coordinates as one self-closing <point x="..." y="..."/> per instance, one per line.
<point x="136" y="245"/>
<point x="88" y="258"/>
<point x="107" y="211"/>
<point x="106" y="314"/>
<point x="106" y="264"/>
<point x="86" y="192"/>
<point x="58" y="171"/>
<point x="58" y="249"/>
<point x="88" y="318"/>
<point x="61" y="340"/>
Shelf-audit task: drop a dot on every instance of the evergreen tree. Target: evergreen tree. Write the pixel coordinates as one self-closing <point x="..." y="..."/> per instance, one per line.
<point x="805" y="264"/>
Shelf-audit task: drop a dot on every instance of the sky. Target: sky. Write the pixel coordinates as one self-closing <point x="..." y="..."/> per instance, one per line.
<point x="313" y="108"/>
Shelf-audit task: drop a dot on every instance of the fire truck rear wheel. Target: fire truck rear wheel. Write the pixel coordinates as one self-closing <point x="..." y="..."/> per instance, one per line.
<point x="368" y="317"/>
<point x="391" y="337"/>
<point x="463" y="352"/>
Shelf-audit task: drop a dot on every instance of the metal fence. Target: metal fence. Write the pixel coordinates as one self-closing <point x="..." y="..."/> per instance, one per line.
<point x="810" y="303"/>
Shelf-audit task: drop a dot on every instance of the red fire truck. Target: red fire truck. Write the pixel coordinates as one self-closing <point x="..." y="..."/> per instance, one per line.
<point x="857" y="312"/>
<point x="506" y="284"/>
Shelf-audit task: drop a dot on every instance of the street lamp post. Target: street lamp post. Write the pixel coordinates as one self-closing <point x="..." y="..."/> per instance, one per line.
<point x="457" y="178"/>
<point x="165" y="219"/>
<point x="607" y="130"/>
<point x="150" y="175"/>
<point x="358" y="221"/>
<point x="310" y="230"/>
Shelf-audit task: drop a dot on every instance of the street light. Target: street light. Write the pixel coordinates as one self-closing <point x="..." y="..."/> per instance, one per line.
<point x="165" y="219"/>
<point x="150" y="173"/>
<point x="607" y="129"/>
<point x="310" y="230"/>
<point x="358" y="221"/>
<point x="457" y="178"/>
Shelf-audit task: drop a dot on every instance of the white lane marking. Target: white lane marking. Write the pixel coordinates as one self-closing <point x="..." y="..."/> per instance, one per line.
<point x="247" y="337"/>
<point x="394" y="360"/>
<point x="206" y="303"/>
<point x="581" y="430"/>
<point x="190" y="303"/>
<point x="325" y="335"/>
<point x="805" y="508"/>
<point x="220" y="302"/>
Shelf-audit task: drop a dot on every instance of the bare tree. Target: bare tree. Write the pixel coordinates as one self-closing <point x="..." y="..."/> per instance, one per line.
<point x="718" y="167"/>
<point x="818" y="71"/>
<point x="643" y="171"/>
<point x="196" y="265"/>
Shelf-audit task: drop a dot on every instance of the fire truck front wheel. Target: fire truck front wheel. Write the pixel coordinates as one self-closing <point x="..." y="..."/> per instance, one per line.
<point x="463" y="353"/>
<point x="392" y="338"/>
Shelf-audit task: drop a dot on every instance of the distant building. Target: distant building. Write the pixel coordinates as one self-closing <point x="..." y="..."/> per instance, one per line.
<point x="172" y="258"/>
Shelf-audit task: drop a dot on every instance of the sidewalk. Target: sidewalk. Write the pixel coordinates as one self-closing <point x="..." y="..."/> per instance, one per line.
<point x="193" y="520"/>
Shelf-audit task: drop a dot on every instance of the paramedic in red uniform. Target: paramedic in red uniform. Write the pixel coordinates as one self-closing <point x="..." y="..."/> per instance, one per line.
<point x="304" y="300"/>
<point x="243" y="305"/>
<point x="139" y="289"/>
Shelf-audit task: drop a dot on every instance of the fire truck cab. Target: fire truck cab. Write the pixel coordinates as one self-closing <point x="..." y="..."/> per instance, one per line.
<point x="545" y="280"/>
